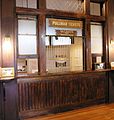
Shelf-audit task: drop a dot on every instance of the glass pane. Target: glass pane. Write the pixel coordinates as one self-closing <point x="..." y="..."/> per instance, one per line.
<point x="76" y="55"/>
<point x="61" y="41"/>
<point x="64" y="45"/>
<point x="32" y="3"/>
<point x="96" y="38"/>
<point x="95" y="9"/>
<point x="26" y="27"/>
<point x="27" y="45"/>
<point x="19" y="3"/>
<point x="27" y="66"/>
<point x="26" y="3"/>
<point x="62" y="58"/>
<point x="32" y="66"/>
<point x="75" y="6"/>
<point x="21" y="65"/>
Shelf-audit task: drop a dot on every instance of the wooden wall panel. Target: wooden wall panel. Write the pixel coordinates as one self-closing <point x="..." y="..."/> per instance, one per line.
<point x="38" y="95"/>
<point x="8" y="23"/>
<point x="110" y="19"/>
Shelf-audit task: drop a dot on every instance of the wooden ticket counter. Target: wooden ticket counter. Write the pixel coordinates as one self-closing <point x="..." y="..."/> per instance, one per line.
<point x="62" y="92"/>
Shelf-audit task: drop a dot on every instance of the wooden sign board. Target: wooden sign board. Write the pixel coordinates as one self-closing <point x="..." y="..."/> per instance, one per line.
<point x="66" y="32"/>
<point x="65" y="23"/>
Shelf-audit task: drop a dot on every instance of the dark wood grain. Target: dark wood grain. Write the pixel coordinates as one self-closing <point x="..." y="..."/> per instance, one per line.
<point x="87" y="7"/>
<point x="88" y="57"/>
<point x="8" y="28"/>
<point x="60" y="93"/>
<point x="42" y="4"/>
<point x="8" y="101"/>
<point x="110" y="28"/>
<point x="41" y="44"/>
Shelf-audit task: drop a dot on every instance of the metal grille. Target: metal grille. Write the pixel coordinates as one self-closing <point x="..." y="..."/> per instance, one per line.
<point x="75" y="6"/>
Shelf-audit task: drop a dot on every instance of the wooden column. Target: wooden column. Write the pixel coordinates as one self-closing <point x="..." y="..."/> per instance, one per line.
<point x="87" y="7"/>
<point x="41" y="44"/>
<point x="42" y="4"/>
<point x="8" y="29"/>
<point x="105" y="45"/>
<point x="88" y="57"/>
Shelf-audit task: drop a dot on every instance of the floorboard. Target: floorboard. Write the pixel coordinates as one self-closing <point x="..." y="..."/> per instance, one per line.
<point x="98" y="112"/>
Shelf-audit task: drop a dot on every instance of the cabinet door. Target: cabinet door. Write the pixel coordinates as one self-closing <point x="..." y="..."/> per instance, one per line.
<point x="10" y="106"/>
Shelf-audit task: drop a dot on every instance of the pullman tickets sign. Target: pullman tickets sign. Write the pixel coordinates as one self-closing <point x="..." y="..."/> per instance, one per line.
<point x="65" y="23"/>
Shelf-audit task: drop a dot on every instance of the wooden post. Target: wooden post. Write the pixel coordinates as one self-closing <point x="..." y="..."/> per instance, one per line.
<point x="42" y="4"/>
<point x="88" y="57"/>
<point x="41" y="44"/>
<point x="87" y="7"/>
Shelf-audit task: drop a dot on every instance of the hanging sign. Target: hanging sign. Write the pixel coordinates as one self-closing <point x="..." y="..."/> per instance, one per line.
<point x="66" y="32"/>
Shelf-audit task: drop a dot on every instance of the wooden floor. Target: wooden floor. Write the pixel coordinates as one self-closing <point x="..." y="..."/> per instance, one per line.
<point x="99" y="112"/>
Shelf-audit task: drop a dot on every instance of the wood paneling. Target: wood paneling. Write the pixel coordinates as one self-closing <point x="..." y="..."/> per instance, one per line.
<point x="8" y="99"/>
<point x="7" y="27"/>
<point x="110" y="20"/>
<point x="60" y="93"/>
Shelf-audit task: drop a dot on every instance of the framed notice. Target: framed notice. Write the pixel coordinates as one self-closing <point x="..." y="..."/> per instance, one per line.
<point x="7" y="72"/>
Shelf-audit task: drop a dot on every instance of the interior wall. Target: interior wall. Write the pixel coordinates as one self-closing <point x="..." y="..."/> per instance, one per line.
<point x="110" y="18"/>
<point x="7" y="29"/>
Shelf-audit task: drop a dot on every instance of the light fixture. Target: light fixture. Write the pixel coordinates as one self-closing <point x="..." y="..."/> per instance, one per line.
<point x="7" y="44"/>
<point x="112" y="41"/>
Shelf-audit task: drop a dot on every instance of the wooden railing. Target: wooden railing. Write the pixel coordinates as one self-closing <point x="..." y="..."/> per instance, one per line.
<point x="57" y="91"/>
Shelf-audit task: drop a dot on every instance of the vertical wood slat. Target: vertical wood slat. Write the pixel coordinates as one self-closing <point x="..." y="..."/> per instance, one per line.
<point x="44" y="94"/>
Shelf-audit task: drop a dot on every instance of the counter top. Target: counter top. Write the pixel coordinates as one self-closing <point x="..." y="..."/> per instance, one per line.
<point x="61" y="74"/>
